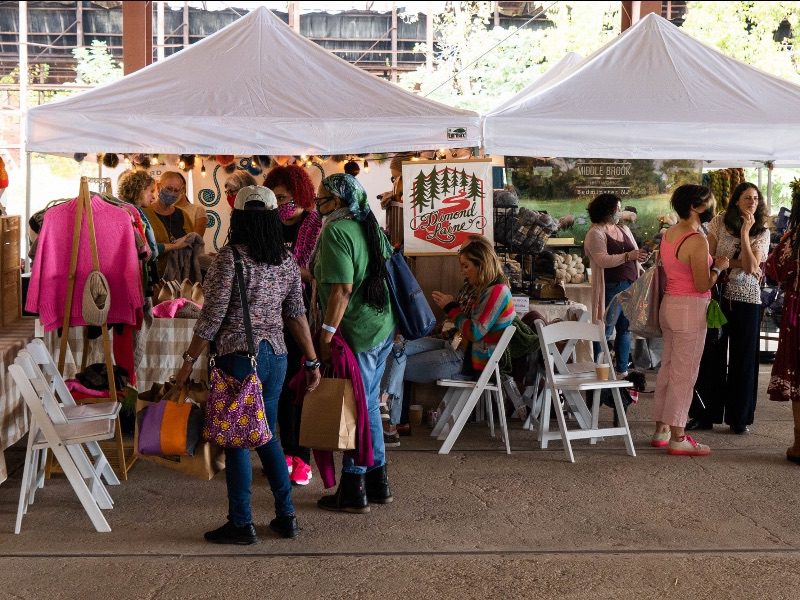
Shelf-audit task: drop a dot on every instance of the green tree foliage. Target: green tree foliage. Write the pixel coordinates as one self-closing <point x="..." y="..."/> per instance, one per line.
<point x="762" y="34"/>
<point x="463" y="33"/>
<point x="96" y="65"/>
<point x="474" y="188"/>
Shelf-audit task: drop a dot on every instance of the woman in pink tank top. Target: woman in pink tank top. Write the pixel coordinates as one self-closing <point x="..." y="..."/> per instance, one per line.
<point x="690" y="276"/>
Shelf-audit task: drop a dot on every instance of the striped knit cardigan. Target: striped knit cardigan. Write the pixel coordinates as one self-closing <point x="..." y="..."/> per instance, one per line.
<point x="483" y="325"/>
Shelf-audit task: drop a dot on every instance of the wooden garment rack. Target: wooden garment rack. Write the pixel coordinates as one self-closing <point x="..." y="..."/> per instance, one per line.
<point x="84" y="207"/>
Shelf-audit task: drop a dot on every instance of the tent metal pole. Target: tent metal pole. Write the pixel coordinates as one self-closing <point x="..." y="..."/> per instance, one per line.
<point x="23" y="116"/>
<point x="770" y="166"/>
<point x="27" y="163"/>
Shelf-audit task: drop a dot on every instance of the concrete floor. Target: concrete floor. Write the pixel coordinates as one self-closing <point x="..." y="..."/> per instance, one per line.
<point x="475" y="523"/>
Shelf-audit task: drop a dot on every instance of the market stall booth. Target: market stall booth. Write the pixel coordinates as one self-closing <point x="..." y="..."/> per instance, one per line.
<point x="254" y="89"/>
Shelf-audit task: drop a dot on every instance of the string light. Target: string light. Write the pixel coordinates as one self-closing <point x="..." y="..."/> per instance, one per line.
<point x="203" y="168"/>
<point x="154" y="160"/>
<point x="181" y="164"/>
<point x="366" y="166"/>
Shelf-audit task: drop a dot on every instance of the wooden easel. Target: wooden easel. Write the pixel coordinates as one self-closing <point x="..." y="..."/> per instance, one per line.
<point x="84" y="205"/>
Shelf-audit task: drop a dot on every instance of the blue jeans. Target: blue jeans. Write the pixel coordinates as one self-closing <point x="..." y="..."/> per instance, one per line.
<point x="371" y="363"/>
<point x="422" y="361"/>
<point x="271" y="369"/>
<point x="617" y="320"/>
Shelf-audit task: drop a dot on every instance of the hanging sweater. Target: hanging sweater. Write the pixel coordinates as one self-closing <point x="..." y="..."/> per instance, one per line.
<point x="484" y="324"/>
<point x="116" y="249"/>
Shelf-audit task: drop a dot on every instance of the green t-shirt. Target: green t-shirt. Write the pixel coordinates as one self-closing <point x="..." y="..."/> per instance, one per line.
<point x="343" y="258"/>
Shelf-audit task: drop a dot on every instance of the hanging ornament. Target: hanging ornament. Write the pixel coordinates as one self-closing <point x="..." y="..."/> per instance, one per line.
<point x="351" y="168"/>
<point x="186" y="162"/>
<point x="79" y="156"/>
<point x="253" y="167"/>
<point x="110" y="160"/>
<point x="226" y="159"/>
<point x="230" y="168"/>
<point x="366" y="166"/>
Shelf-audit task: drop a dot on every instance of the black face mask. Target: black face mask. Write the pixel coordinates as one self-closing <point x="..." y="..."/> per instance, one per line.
<point x="706" y="215"/>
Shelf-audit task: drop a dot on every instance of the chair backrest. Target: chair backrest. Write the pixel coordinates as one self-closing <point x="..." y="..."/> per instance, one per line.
<point x="40" y="419"/>
<point x="569" y="331"/>
<point x="41" y="386"/>
<point x="492" y="364"/>
<point x="42" y="357"/>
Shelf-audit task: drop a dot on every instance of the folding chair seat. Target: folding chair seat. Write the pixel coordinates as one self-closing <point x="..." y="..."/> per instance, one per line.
<point x="462" y="397"/>
<point x="66" y="441"/>
<point x="47" y="376"/>
<point x="571" y="380"/>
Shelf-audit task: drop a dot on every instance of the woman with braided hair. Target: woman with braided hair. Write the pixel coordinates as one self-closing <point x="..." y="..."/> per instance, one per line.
<point x="349" y="265"/>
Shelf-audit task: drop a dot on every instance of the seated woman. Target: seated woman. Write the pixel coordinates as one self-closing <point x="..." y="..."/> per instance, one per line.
<point x="480" y="313"/>
<point x="170" y="224"/>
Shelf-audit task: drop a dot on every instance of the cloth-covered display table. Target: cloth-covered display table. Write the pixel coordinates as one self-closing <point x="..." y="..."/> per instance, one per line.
<point x="13" y="414"/>
<point x="167" y="340"/>
<point x="580" y="293"/>
<point x="551" y="312"/>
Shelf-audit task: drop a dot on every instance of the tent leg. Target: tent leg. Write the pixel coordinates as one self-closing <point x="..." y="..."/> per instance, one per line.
<point x="769" y="187"/>
<point x="27" y="208"/>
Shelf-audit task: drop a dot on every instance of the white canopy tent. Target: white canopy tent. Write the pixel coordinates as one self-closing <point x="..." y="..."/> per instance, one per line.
<point x="254" y="87"/>
<point x="553" y="75"/>
<point x="653" y="92"/>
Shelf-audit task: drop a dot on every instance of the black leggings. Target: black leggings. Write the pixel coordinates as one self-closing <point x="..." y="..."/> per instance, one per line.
<point x="288" y="412"/>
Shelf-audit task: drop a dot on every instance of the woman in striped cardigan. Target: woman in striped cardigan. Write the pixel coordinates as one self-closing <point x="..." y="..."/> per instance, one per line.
<point x="481" y="311"/>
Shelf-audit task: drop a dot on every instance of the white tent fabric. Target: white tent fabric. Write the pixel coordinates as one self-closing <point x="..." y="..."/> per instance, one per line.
<point x="553" y="75"/>
<point x="254" y="87"/>
<point x="654" y="92"/>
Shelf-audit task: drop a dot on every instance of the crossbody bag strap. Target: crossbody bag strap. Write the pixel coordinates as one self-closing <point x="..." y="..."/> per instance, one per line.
<point x="238" y="266"/>
<point x="686" y="237"/>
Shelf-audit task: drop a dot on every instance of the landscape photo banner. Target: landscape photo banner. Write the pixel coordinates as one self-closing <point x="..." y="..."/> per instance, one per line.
<point x="444" y="203"/>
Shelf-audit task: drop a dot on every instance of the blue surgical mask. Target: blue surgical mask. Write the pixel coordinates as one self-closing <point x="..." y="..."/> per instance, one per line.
<point x="167" y="198"/>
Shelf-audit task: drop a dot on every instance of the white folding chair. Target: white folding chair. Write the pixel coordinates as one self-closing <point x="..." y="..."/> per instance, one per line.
<point x="65" y="440"/>
<point x="462" y="397"/>
<point x="48" y="376"/>
<point x="534" y="398"/>
<point x="570" y="380"/>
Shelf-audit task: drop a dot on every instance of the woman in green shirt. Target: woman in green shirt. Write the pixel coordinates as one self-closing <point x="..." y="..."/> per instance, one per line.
<point x="350" y="268"/>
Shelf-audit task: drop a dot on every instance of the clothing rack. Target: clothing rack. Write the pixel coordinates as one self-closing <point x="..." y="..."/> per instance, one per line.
<point x="100" y="184"/>
<point x="84" y="206"/>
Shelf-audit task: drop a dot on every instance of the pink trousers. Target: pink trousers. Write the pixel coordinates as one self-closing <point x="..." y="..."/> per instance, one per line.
<point x="683" y="324"/>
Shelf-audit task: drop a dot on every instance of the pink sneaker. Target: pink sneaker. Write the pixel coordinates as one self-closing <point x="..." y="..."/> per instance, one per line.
<point x="660" y="440"/>
<point x="290" y="463"/>
<point x="687" y="446"/>
<point x="301" y="473"/>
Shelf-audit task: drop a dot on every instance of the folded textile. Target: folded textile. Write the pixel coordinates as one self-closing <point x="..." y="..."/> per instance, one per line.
<point x="185" y="263"/>
<point x="169" y="309"/>
<point x="80" y="391"/>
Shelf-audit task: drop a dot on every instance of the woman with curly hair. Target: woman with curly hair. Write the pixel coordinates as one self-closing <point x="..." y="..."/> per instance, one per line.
<point x="741" y="235"/>
<point x="300" y="225"/>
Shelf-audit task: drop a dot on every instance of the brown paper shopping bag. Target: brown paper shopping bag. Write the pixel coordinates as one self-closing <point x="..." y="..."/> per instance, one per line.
<point x="328" y="421"/>
<point x="207" y="459"/>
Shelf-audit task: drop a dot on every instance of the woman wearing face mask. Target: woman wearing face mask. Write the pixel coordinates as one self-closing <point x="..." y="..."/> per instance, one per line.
<point x="197" y="212"/>
<point x="170" y="224"/>
<point x="236" y="182"/>
<point x="301" y="225"/>
<point x="739" y="234"/>
<point x="691" y="273"/>
<point x="614" y="259"/>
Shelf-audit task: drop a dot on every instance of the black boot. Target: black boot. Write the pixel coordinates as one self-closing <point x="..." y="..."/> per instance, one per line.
<point x="350" y="496"/>
<point x="377" y="484"/>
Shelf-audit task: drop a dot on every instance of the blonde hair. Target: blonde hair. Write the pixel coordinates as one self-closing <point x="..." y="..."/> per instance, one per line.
<point x="131" y="184"/>
<point x="480" y="252"/>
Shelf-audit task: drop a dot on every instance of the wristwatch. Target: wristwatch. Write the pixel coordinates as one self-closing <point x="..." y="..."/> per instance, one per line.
<point x="188" y="357"/>
<point x="312" y="365"/>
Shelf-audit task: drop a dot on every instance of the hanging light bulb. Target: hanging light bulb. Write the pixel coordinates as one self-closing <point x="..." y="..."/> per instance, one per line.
<point x="303" y="158"/>
<point x="366" y="166"/>
<point x="203" y="168"/>
<point x="154" y="160"/>
<point x="181" y="164"/>
<point x="127" y="161"/>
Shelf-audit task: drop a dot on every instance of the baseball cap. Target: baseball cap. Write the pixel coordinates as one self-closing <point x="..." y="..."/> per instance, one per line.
<point x="260" y="197"/>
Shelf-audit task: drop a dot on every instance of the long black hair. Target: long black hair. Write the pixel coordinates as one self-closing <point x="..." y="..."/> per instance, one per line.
<point x="375" y="292"/>
<point x="794" y="225"/>
<point x="260" y="231"/>
<point x="733" y="216"/>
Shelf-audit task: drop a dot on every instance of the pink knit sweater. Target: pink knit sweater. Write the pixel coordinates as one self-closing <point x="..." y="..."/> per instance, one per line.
<point x="116" y="248"/>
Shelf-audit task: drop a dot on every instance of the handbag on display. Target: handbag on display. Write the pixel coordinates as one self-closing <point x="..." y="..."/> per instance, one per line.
<point x="415" y="318"/>
<point x="170" y="427"/>
<point x="641" y="302"/>
<point x="235" y="415"/>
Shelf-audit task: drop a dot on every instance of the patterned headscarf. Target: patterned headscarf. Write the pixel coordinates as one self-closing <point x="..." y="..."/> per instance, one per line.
<point x="351" y="191"/>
